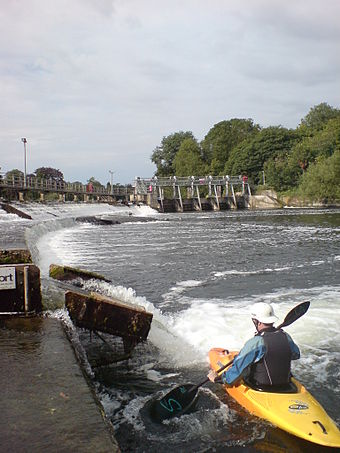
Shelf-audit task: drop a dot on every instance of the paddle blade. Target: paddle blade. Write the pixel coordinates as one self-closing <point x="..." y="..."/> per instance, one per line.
<point x="174" y="403"/>
<point x="295" y="314"/>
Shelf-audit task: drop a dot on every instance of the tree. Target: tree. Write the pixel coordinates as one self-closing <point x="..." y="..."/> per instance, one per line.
<point x="222" y="138"/>
<point x="322" y="143"/>
<point x="188" y="160"/>
<point x="49" y="173"/>
<point x="164" y="154"/>
<point x="284" y="172"/>
<point x="319" y="115"/>
<point x="94" y="182"/>
<point x="14" y="174"/>
<point x="249" y="157"/>
<point x="322" y="179"/>
<point x="280" y="175"/>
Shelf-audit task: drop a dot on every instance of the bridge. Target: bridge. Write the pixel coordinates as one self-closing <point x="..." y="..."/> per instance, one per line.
<point x="168" y="194"/>
<point x="18" y="187"/>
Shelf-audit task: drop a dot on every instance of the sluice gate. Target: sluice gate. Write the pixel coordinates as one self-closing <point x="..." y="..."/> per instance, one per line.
<point x="193" y="193"/>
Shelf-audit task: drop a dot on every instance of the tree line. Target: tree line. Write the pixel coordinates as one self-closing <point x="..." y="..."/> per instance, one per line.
<point x="49" y="173"/>
<point x="304" y="161"/>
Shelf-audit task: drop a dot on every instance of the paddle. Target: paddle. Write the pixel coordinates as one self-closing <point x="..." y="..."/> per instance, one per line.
<point x="181" y="399"/>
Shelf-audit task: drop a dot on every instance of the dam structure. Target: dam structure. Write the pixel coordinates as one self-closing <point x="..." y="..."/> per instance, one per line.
<point x="193" y="193"/>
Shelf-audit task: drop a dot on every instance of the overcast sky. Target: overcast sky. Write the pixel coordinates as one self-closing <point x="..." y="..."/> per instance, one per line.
<point x="94" y="85"/>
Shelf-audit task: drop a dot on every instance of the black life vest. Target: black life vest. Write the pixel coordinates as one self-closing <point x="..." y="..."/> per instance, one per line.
<point x="274" y="367"/>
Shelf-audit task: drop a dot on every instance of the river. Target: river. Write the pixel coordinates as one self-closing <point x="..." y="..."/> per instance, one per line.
<point x="197" y="273"/>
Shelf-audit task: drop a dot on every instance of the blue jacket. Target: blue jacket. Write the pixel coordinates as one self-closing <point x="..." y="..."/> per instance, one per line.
<point x="253" y="351"/>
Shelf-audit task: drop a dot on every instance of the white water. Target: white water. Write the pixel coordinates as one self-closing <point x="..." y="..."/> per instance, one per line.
<point x="201" y="323"/>
<point x="198" y="278"/>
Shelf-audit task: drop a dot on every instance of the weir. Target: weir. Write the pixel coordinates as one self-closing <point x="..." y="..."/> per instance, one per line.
<point x="193" y="193"/>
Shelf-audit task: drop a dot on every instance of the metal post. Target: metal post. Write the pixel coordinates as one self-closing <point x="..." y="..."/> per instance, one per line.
<point x="111" y="173"/>
<point x="180" y="197"/>
<point x="24" y="140"/>
<point x="233" y="195"/>
<point x="199" y="198"/>
<point x="161" y="196"/>
<point x="26" y="288"/>
<point x="216" y="197"/>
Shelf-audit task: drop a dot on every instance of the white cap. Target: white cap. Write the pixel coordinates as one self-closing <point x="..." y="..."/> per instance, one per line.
<point x="263" y="312"/>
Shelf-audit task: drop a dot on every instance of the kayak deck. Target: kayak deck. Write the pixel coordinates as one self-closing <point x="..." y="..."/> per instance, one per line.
<point x="297" y="413"/>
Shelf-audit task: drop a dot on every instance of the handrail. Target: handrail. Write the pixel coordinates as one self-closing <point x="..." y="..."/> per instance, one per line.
<point x="186" y="181"/>
<point x="51" y="185"/>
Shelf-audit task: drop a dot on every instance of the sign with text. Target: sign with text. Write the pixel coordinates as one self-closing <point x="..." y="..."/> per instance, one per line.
<point x="7" y="277"/>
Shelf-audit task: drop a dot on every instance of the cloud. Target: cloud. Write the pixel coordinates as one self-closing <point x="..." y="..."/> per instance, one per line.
<point x="95" y="85"/>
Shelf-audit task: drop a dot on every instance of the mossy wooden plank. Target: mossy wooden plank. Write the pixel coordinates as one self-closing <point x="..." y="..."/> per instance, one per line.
<point x="15" y="256"/>
<point x="103" y="314"/>
<point x="66" y="273"/>
<point x="12" y="210"/>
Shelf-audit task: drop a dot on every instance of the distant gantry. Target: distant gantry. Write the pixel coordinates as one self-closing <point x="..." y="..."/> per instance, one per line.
<point x="193" y="193"/>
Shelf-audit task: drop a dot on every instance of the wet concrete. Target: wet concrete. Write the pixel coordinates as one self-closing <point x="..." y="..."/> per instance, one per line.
<point x="46" y="402"/>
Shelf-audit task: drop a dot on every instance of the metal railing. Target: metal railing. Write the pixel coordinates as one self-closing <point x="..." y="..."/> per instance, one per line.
<point x="144" y="185"/>
<point x="50" y="185"/>
<point x="185" y="181"/>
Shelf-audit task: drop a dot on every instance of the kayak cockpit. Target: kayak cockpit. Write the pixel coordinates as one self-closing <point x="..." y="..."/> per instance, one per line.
<point x="290" y="387"/>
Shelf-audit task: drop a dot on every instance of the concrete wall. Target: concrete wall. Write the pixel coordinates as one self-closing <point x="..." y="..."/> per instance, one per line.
<point x="266" y="200"/>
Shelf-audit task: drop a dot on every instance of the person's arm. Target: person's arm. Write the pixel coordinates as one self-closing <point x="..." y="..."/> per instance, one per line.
<point x="252" y="352"/>
<point x="293" y="347"/>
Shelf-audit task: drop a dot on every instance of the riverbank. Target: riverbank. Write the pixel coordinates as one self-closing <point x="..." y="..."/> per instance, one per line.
<point x="47" y="403"/>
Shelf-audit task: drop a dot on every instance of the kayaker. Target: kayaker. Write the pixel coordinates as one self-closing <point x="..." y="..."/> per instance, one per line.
<point x="265" y="359"/>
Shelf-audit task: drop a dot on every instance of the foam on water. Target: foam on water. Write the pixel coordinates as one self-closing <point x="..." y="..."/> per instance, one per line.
<point x="245" y="273"/>
<point x="185" y="337"/>
<point x="188" y="427"/>
<point x="10" y="218"/>
<point x="42" y="239"/>
<point x="226" y="323"/>
<point x="188" y="334"/>
<point x="61" y="210"/>
<point x="181" y="287"/>
<point x="184" y="333"/>
<point x="163" y="332"/>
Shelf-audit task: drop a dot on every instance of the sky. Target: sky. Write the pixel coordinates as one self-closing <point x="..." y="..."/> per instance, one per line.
<point x="94" y="85"/>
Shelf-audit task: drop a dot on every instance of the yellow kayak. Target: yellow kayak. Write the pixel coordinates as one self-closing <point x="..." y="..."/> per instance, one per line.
<point x="297" y="413"/>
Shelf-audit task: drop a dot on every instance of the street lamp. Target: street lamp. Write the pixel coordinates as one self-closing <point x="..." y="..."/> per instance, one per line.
<point x="111" y="173"/>
<point x="25" y="159"/>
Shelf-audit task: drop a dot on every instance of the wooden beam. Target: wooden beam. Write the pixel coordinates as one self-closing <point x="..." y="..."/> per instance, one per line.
<point x="104" y="314"/>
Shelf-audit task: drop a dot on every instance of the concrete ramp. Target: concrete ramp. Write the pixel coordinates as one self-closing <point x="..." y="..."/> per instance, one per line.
<point x="46" y="402"/>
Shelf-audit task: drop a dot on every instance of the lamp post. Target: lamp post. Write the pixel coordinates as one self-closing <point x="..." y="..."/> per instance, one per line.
<point x="25" y="159"/>
<point x="111" y="173"/>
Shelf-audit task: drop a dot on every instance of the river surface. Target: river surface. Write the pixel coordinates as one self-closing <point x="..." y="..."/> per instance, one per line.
<point x="197" y="273"/>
